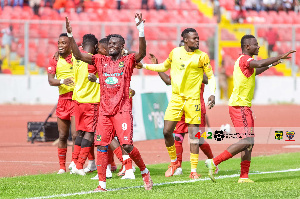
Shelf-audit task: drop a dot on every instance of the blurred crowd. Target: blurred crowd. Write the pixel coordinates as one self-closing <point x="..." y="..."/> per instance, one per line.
<point x="269" y="5"/>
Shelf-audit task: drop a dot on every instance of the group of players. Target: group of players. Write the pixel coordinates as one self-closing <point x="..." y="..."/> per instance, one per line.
<point x="85" y="77"/>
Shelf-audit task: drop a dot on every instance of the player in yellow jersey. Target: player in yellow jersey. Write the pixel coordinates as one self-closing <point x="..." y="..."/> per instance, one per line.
<point x="64" y="72"/>
<point x="187" y="65"/>
<point x="86" y="96"/>
<point x="245" y="70"/>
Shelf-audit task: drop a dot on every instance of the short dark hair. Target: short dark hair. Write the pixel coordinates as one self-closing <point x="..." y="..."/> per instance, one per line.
<point x="116" y="35"/>
<point x="103" y="41"/>
<point x="186" y="31"/>
<point x="245" y="37"/>
<point x="63" y="35"/>
<point x="89" y="39"/>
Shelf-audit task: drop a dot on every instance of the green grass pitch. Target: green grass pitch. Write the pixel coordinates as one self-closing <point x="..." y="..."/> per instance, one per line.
<point x="271" y="185"/>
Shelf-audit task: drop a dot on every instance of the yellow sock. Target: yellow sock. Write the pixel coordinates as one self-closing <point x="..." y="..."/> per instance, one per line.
<point x="172" y="153"/>
<point x="194" y="161"/>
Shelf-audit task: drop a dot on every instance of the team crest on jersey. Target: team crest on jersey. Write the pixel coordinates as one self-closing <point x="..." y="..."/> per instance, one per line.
<point x="98" y="138"/>
<point x="121" y="64"/>
<point x="111" y="80"/>
<point x="182" y="67"/>
<point x="125" y="138"/>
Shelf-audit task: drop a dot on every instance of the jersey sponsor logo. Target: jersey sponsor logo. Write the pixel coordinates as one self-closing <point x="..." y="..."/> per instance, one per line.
<point x="112" y="74"/>
<point x="111" y="80"/>
<point x="121" y="64"/>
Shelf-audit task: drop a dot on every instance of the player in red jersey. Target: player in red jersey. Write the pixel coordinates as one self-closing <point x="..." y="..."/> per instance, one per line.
<point x="63" y="70"/>
<point x="115" y="111"/>
<point x="182" y="128"/>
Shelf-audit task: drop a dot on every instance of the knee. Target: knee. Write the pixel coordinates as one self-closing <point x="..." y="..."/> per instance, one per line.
<point x="128" y="148"/>
<point x="167" y="132"/>
<point x="63" y="137"/>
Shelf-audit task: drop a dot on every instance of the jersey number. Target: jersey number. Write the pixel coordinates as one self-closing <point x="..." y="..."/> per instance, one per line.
<point x="124" y="126"/>
<point x="197" y="107"/>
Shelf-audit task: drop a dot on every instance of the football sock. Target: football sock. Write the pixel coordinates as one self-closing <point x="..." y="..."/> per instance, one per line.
<point x="75" y="153"/>
<point x="102" y="158"/>
<point x="179" y="150"/>
<point x="84" y="152"/>
<point x="172" y="153"/>
<point x="245" y="165"/>
<point x="91" y="155"/>
<point x="136" y="157"/>
<point x="110" y="155"/>
<point x="225" y="155"/>
<point x="118" y="152"/>
<point x="207" y="150"/>
<point x="194" y="161"/>
<point x="62" y="157"/>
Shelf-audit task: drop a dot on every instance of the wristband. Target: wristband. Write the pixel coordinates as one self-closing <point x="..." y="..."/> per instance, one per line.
<point x="61" y="81"/>
<point x="270" y="65"/>
<point x="97" y="81"/>
<point x="140" y="27"/>
<point x="69" y="34"/>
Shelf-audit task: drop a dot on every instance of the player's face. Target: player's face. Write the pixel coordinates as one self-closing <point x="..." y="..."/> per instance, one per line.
<point x="63" y="45"/>
<point x="102" y="49"/>
<point x="253" y="46"/>
<point x="115" y="46"/>
<point x="192" y="40"/>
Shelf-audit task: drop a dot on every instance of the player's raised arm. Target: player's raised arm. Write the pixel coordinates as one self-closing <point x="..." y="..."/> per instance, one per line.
<point x="85" y="57"/>
<point x="270" y="61"/>
<point x="142" y="41"/>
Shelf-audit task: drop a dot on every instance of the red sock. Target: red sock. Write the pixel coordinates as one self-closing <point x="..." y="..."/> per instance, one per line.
<point x="91" y="155"/>
<point x="62" y="157"/>
<point x="245" y="165"/>
<point x="118" y="152"/>
<point x="75" y="153"/>
<point x="128" y="164"/>
<point x="84" y="152"/>
<point x="207" y="150"/>
<point x="102" y="158"/>
<point x="179" y="150"/>
<point x="136" y="157"/>
<point x="110" y="155"/>
<point x="222" y="157"/>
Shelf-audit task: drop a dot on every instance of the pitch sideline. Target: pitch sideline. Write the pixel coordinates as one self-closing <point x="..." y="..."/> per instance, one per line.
<point x="164" y="183"/>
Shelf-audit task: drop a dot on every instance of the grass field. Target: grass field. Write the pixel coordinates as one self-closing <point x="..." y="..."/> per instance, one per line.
<point x="267" y="185"/>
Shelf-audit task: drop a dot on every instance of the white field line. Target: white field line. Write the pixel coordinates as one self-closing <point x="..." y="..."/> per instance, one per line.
<point x="164" y="183"/>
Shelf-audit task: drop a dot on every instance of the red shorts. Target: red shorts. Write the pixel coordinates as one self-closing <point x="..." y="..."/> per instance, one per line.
<point x="65" y="109"/>
<point x="242" y="119"/>
<point x="120" y="124"/>
<point x="182" y="127"/>
<point x="86" y="115"/>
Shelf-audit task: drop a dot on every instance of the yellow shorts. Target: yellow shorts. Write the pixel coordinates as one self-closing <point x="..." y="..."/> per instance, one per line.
<point x="178" y="105"/>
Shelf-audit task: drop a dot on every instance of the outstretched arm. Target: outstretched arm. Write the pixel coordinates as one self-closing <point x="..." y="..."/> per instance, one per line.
<point x="85" y="57"/>
<point x="267" y="62"/>
<point x="162" y="75"/>
<point x="263" y="69"/>
<point x="142" y="41"/>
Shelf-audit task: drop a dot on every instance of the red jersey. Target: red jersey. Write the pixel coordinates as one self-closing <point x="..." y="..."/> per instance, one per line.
<point x="114" y="78"/>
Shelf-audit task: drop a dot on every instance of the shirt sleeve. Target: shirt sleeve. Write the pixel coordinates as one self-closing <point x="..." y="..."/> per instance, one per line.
<point x="209" y="73"/>
<point x="244" y="64"/>
<point x="97" y="60"/>
<point x="52" y="66"/>
<point x="163" y="67"/>
<point x="92" y="69"/>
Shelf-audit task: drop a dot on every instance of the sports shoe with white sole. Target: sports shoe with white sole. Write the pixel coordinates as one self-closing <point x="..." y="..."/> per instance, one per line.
<point x="122" y="171"/>
<point x="211" y="169"/>
<point x="178" y="172"/>
<point x="95" y="178"/>
<point x="72" y="165"/>
<point x="245" y="180"/>
<point x="78" y="171"/>
<point x="172" y="168"/>
<point x="129" y="174"/>
<point x="61" y="171"/>
<point x="148" y="183"/>
<point x="99" y="189"/>
<point x="90" y="167"/>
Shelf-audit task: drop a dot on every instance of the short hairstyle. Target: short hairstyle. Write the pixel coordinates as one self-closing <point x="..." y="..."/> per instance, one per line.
<point x="63" y="35"/>
<point x="244" y="38"/>
<point x="116" y="35"/>
<point x="186" y="31"/>
<point x="103" y="41"/>
<point x="89" y="39"/>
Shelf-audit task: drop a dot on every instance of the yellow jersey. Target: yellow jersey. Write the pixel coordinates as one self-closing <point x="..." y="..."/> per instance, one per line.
<point x="63" y="69"/>
<point x="187" y="70"/>
<point x="85" y="91"/>
<point x="243" y="82"/>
